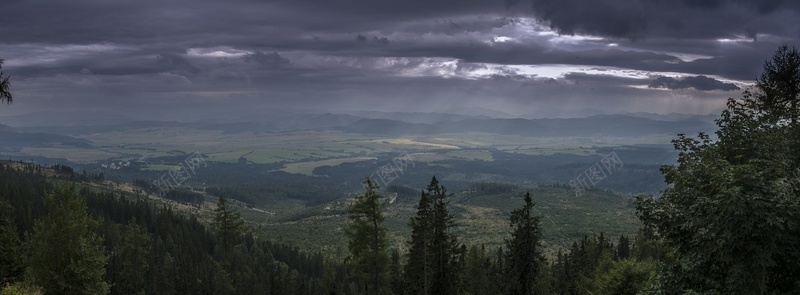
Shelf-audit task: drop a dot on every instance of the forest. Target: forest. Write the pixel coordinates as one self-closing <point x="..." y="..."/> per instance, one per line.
<point x="728" y="222"/>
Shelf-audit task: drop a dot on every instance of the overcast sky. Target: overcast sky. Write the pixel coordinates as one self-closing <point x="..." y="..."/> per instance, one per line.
<point x="545" y="58"/>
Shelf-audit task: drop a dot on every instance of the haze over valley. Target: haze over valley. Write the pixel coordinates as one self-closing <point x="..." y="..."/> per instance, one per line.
<point x="403" y="147"/>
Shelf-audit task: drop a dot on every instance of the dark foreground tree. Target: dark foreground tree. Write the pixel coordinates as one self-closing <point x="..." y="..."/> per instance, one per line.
<point x="396" y="273"/>
<point x="418" y="268"/>
<point x="5" y="85"/>
<point x="444" y="245"/>
<point x="731" y="215"/>
<point x="524" y="249"/>
<point x="779" y="84"/>
<point x="66" y="251"/>
<point x="369" y="256"/>
<point x="433" y="264"/>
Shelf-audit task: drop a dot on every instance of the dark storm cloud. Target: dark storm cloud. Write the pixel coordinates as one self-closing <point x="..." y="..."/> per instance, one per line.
<point x="175" y="62"/>
<point x="270" y="60"/>
<point x="680" y="19"/>
<point x="701" y="83"/>
<point x="212" y="22"/>
<point x="444" y="51"/>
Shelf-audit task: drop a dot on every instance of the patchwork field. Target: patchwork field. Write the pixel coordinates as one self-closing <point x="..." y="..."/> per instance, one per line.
<point x="283" y="214"/>
<point x="310" y="148"/>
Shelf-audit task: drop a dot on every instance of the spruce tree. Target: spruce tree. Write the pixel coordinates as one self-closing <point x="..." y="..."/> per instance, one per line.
<point x="623" y="247"/>
<point x="369" y="257"/>
<point x="133" y="254"/>
<point x="228" y="222"/>
<point x="418" y="268"/>
<point x="397" y="273"/>
<point x="477" y="272"/>
<point x="524" y="249"/>
<point x="779" y="84"/>
<point x="444" y="245"/>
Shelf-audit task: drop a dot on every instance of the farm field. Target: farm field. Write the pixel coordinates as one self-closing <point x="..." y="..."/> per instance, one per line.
<point x="315" y="146"/>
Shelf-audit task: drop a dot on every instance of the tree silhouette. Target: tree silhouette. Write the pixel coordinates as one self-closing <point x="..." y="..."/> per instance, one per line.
<point x="524" y="249"/>
<point x="5" y="85"/>
<point x="779" y="84"/>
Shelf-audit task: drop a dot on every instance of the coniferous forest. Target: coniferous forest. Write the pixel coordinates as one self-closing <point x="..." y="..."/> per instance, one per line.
<point x="64" y="237"/>
<point x="728" y="223"/>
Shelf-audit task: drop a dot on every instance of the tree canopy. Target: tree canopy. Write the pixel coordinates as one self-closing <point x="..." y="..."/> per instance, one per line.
<point x="67" y="254"/>
<point x="731" y="215"/>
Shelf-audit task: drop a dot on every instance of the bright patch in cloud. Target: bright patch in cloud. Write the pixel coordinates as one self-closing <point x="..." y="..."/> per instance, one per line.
<point x="216" y="52"/>
<point x="737" y="39"/>
<point x="502" y="39"/>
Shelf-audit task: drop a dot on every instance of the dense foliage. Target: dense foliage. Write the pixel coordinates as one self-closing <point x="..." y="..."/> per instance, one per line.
<point x="151" y="249"/>
<point x="731" y="216"/>
<point x="134" y="246"/>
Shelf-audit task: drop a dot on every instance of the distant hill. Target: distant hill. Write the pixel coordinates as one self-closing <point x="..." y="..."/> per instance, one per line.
<point x="674" y="116"/>
<point x="393" y="124"/>
<point x="416" y="117"/>
<point x="601" y="125"/>
<point x="389" y="127"/>
<point x="67" y="118"/>
<point x="75" y="130"/>
<point x="11" y="140"/>
<point x="5" y="128"/>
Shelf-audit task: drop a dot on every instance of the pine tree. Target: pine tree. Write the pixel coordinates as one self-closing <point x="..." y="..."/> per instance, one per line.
<point x="11" y="256"/>
<point x="461" y="267"/>
<point x="228" y="222"/>
<point x="369" y="258"/>
<point x="623" y="247"/>
<point x="524" y="249"/>
<point x="433" y="264"/>
<point x="498" y="272"/>
<point x="477" y="272"/>
<point x="134" y="254"/>
<point x="779" y="84"/>
<point x="778" y="93"/>
<point x="66" y="252"/>
<point x="418" y="268"/>
<point x="444" y="245"/>
<point x="397" y="273"/>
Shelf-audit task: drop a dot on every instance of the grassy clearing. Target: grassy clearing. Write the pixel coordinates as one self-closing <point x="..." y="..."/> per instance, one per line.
<point x="414" y="143"/>
<point x="72" y="154"/>
<point x="308" y="167"/>
<point x="160" y="167"/>
<point x="481" y="155"/>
